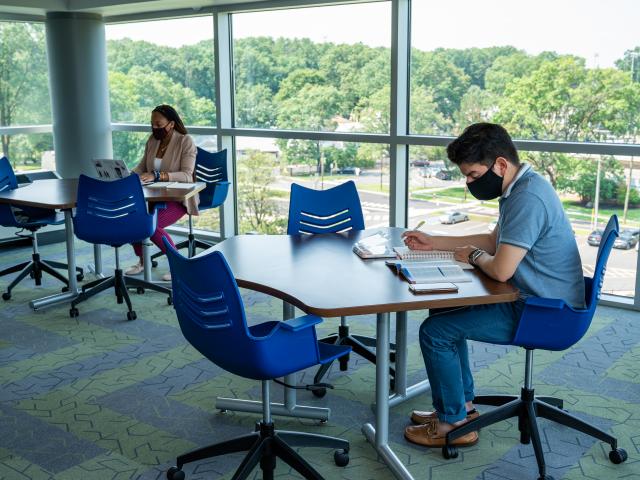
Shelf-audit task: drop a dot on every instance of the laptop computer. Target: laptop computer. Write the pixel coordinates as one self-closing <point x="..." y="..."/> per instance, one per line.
<point x="111" y="169"/>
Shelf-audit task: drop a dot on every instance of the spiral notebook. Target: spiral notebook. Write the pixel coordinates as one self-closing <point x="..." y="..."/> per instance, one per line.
<point x="436" y="257"/>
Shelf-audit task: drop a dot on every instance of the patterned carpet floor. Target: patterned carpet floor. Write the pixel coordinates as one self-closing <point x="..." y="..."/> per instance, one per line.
<point x="99" y="397"/>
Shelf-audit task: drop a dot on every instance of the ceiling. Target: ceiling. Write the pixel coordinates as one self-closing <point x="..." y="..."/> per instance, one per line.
<point x="109" y="8"/>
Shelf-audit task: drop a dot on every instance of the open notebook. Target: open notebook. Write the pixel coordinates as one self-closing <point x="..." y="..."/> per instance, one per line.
<point x="436" y="257"/>
<point x="427" y="272"/>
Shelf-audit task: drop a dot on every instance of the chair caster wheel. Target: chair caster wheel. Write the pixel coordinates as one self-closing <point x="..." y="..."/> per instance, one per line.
<point x="6" y="296"/>
<point x="341" y="457"/>
<point x="169" y="301"/>
<point x="319" y="392"/>
<point x="140" y="290"/>
<point x="449" y="452"/>
<point x="392" y="357"/>
<point x="73" y="312"/>
<point x="618" y="455"/>
<point x="175" y="474"/>
<point x="224" y="410"/>
<point x="131" y="315"/>
<point x="80" y="277"/>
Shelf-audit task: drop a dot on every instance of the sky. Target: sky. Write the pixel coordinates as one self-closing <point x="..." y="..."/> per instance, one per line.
<point x="598" y="30"/>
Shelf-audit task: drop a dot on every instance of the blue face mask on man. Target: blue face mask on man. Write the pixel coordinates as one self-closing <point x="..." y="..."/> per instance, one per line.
<point x="488" y="186"/>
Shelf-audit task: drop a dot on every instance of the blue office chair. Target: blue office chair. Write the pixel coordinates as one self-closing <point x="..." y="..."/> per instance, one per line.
<point x="212" y="318"/>
<point x="113" y="213"/>
<point x="333" y="210"/>
<point x="211" y="168"/>
<point x="549" y="324"/>
<point x="32" y="220"/>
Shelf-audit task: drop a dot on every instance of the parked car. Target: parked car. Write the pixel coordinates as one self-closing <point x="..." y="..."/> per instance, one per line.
<point x="626" y="240"/>
<point x="443" y="175"/>
<point x="635" y="232"/>
<point x="349" y="171"/>
<point x="454" y="217"/>
<point x="594" y="238"/>
<point x="420" y="163"/>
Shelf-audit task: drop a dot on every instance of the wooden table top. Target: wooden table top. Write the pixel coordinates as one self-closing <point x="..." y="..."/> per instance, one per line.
<point x="61" y="194"/>
<point x="321" y="275"/>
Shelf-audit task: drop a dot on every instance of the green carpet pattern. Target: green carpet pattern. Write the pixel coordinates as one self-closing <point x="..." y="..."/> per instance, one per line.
<point x="99" y="397"/>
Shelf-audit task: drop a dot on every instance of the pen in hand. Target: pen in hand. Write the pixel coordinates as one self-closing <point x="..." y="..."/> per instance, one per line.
<point x="420" y="223"/>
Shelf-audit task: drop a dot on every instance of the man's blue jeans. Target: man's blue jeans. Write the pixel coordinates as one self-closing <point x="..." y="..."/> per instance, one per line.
<point x="443" y="340"/>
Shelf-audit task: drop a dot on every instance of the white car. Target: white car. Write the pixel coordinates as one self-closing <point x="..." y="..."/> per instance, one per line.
<point x="454" y="217"/>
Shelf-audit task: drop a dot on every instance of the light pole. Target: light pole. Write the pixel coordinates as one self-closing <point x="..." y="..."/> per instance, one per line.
<point x="597" y="201"/>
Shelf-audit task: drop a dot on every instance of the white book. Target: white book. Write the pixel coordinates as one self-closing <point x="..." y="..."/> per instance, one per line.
<point x="172" y="185"/>
<point x="159" y="184"/>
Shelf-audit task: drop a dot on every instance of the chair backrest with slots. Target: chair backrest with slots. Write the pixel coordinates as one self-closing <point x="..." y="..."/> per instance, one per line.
<point x="112" y="213"/>
<point x="333" y="210"/>
<point x="211" y="168"/>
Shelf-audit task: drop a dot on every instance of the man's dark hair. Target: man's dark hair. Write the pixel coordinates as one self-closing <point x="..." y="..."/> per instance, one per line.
<point x="482" y="143"/>
<point x="168" y="112"/>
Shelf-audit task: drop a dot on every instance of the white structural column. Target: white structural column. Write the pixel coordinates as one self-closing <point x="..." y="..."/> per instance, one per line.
<point x="77" y="56"/>
<point x="224" y="116"/>
<point x="400" y="53"/>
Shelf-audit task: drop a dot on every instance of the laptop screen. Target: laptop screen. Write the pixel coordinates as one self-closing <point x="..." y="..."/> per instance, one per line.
<point x="109" y="169"/>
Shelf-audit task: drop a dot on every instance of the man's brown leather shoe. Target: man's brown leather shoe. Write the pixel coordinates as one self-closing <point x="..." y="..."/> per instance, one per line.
<point x="421" y="418"/>
<point x="427" y="435"/>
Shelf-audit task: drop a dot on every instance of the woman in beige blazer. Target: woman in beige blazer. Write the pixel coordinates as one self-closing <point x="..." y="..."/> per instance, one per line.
<point x="169" y="156"/>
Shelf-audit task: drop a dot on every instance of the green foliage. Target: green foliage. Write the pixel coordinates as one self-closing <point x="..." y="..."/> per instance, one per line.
<point x="342" y="156"/>
<point x="442" y="79"/>
<point x="581" y="179"/>
<point x="630" y="59"/>
<point x="24" y="93"/>
<point x="257" y="208"/>
<point x="634" y="195"/>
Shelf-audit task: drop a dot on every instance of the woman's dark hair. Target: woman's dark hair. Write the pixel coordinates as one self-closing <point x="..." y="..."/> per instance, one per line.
<point x="168" y="112"/>
<point x="482" y="143"/>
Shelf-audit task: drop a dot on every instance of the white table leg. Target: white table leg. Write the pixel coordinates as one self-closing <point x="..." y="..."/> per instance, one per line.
<point x="146" y="259"/>
<point x="402" y="392"/>
<point x="378" y="436"/>
<point x="96" y="266"/>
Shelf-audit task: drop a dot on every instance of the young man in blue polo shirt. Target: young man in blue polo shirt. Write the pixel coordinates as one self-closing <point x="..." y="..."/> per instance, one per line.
<point x="532" y="246"/>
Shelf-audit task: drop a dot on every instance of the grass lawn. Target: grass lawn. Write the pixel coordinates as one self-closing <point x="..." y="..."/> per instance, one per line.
<point x="578" y="212"/>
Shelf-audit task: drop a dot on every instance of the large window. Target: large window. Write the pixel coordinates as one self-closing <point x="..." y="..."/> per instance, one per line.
<point x="24" y="95"/>
<point x="320" y="69"/>
<point x="325" y="74"/>
<point x="166" y="61"/>
<point x="565" y="75"/>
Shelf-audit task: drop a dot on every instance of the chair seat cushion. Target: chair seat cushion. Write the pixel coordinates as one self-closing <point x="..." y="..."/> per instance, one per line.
<point x="27" y="219"/>
<point x="330" y="352"/>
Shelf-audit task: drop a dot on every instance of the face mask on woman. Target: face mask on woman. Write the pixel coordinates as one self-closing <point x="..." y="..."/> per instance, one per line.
<point x="160" y="132"/>
<point x="488" y="186"/>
